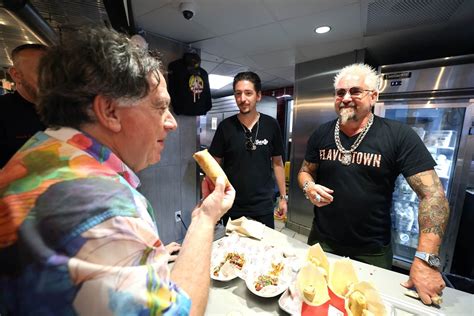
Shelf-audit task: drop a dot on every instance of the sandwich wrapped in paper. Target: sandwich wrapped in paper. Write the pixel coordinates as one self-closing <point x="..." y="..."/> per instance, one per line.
<point x="364" y="300"/>
<point x="246" y="227"/>
<point x="342" y="276"/>
<point x="210" y="166"/>
<point x="317" y="257"/>
<point x="312" y="285"/>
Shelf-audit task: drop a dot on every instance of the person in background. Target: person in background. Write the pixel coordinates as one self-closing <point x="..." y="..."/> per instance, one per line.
<point x="248" y="145"/>
<point x="87" y="238"/>
<point x="349" y="173"/>
<point x="19" y="119"/>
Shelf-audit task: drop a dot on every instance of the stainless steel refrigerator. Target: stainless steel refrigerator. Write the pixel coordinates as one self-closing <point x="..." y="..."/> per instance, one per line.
<point x="436" y="98"/>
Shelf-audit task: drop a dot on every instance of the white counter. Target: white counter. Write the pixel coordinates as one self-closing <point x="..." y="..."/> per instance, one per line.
<point x="233" y="297"/>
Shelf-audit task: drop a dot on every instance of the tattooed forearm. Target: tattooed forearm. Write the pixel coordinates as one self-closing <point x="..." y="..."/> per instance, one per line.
<point x="433" y="211"/>
<point x="309" y="167"/>
<point x="307" y="172"/>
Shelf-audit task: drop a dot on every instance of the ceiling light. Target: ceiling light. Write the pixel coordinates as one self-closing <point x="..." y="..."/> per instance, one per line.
<point x="322" y="29"/>
<point x="217" y="81"/>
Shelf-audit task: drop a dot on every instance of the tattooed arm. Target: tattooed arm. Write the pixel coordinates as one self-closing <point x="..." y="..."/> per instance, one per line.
<point x="433" y="213"/>
<point x="307" y="174"/>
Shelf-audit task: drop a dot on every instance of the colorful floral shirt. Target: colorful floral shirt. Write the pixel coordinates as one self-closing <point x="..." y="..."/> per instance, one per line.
<point x="85" y="237"/>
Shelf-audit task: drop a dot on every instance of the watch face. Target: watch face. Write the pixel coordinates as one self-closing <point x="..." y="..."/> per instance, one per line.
<point x="434" y="261"/>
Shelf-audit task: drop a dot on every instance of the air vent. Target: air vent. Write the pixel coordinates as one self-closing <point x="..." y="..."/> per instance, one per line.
<point x="71" y="13"/>
<point x="390" y="15"/>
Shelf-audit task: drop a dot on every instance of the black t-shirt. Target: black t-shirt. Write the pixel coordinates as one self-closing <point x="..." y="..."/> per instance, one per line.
<point x="18" y="122"/>
<point x="250" y="172"/>
<point x="359" y="216"/>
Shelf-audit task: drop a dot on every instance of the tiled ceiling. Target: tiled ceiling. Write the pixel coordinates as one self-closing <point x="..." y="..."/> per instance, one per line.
<point x="271" y="36"/>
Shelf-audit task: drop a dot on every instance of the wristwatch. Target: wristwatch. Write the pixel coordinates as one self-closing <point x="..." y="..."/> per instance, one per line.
<point x="284" y="197"/>
<point x="431" y="259"/>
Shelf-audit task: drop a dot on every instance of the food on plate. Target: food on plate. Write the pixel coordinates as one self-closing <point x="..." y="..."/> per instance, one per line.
<point x="364" y="300"/>
<point x="342" y="276"/>
<point x="235" y="259"/>
<point x="317" y="257"/>
<point x="269" y="279"/>
<point x="210" y="166"/>
<point x="265" y="280"/>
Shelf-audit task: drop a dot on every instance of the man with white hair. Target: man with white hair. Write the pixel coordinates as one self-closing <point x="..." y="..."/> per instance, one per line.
<point x="349" y="173"/>
<point x="86" y="238"/>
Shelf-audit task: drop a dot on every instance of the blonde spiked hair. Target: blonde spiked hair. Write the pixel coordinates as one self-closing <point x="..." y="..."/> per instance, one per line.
<point x="369" y="73"/>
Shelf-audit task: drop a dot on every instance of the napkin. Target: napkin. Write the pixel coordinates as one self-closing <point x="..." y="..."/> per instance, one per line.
<point x="245" y="227"/>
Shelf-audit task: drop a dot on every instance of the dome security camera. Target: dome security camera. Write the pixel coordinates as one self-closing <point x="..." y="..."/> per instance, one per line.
<point x="188" y="9"/>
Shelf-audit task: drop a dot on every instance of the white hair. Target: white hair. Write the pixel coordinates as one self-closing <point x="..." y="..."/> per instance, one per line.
<point x="369" y="73"/>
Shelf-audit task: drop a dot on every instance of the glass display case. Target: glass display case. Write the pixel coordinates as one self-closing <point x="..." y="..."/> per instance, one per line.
<point x="439" y="128"/>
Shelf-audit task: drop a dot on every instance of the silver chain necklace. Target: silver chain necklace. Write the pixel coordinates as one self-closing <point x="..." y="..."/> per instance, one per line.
<point x="254" y="146"/>
<point x="347" y="154"/>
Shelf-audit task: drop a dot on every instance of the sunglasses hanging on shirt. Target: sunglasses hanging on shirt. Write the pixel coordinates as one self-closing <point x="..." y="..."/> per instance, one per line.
<point x="249" y="143"/>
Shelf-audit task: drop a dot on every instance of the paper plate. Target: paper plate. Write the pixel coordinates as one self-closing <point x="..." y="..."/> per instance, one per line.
<point x="241" y="248"/>
<point x="265" y="268"/>
<point x="290" y="303"/>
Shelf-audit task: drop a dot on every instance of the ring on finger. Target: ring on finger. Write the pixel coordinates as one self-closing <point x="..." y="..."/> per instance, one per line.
<point x="318" y="198"/>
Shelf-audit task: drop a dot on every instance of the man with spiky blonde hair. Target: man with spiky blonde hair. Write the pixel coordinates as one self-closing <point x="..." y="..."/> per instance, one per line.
<point x="349" y="174"/>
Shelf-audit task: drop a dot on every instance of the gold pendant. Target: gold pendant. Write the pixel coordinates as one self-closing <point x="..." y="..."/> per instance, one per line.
<point x="346" y="159"/>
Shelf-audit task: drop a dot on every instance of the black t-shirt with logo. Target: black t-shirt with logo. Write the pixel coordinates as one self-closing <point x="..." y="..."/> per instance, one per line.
<point x="359" y="216"/>
<point x="250" y="172"/>
<point x="18" y="122"/>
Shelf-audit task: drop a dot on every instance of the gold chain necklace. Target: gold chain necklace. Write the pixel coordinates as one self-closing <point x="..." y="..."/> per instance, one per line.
<point x="347" y="154"/>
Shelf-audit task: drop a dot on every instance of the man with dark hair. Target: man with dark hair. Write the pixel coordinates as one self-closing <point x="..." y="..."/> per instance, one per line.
<point x="68" y="198"/>
<point x="19" y="119"/>
<point x="248" y="145"/>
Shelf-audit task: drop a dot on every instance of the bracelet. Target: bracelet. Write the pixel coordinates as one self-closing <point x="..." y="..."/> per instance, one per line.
<point x="305" y="188"/>
<point x="284" y="197"/>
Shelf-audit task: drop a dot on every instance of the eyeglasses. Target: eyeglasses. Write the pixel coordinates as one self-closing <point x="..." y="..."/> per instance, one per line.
<point x="249" y="144"/>
<point x="354" y="92"/>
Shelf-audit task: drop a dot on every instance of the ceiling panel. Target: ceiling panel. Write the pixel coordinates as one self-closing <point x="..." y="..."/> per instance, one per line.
<point x="266" y="76"/>
<point x="220" y="47"/>
<point x="210" y="57"/>
<point x="209" y="66"/>
<point x="270" y="36"/>
<point x="260" y="40"/>
<point x="167" y="21"/>
<point x="274" y="59"/>
<point x="231" y="16"/>
<point x="287" y="73"/>
<point x="287" y="9"/>
<point x="141" y="7"/>
<point x="345" y="23"/>
<point x="317" y="51"/>
<point x="278" y="83"/>
<point x="226" y="69"/>
<point x="246" y="60"/>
